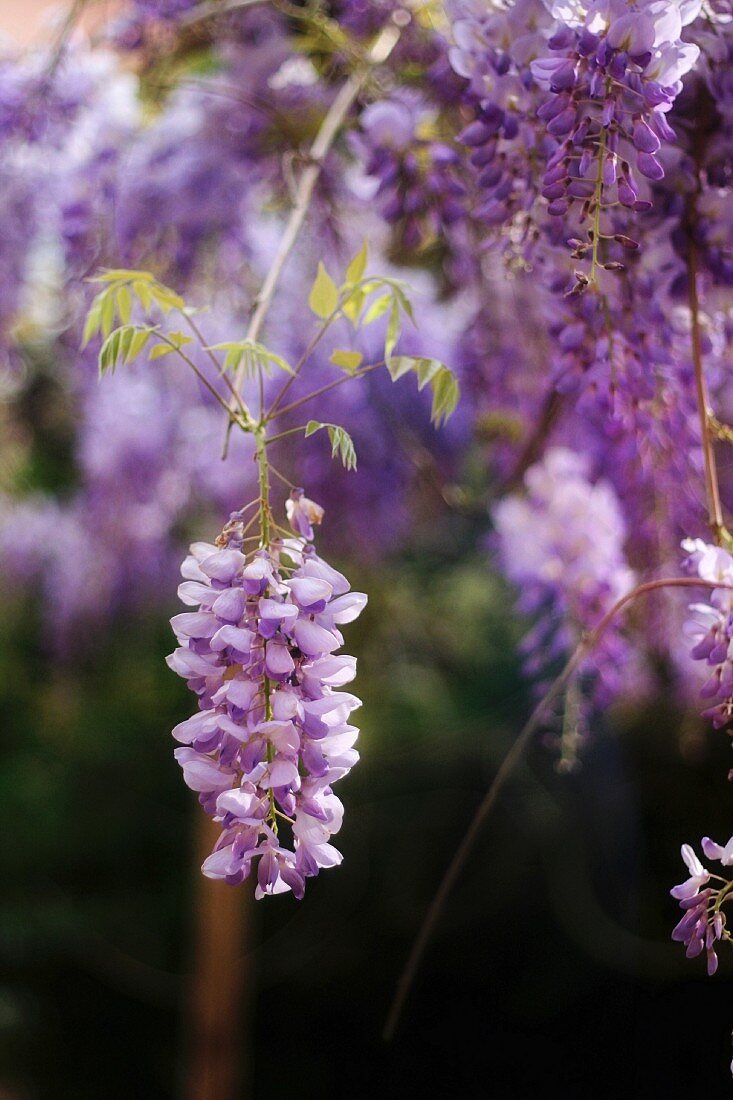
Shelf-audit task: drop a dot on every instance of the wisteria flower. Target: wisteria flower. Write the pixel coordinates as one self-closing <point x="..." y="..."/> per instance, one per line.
<point x="710" y="626"/>
<point x="272" y="734"/>
<point x="703" y="923"/>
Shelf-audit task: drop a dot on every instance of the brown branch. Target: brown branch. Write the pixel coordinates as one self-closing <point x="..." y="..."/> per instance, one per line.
<point x="213" y="10"/>
<point x="712" y="490"/>
<point x="220" y="986"/>
<point x="549" y="413"/>
<point x="702" y="132"/>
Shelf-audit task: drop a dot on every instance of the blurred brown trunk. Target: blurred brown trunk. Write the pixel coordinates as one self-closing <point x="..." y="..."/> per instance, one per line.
<point x="220" y="994"/>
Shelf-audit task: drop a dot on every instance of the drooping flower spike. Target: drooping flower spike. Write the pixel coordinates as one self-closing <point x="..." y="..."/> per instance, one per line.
<point x="710" y="627"/>
<point x="272" y="733"/>
<point x="613" y="75"/>
<point x="704" y="922"/>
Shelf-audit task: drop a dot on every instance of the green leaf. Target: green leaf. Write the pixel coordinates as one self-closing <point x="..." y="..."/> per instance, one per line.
<point x="446" y="395"/>
<point x="377" y="309"/>
<point x="324" y="296"/>
<point x="137" y="343"/>
<point x="347" y="360"/>
<point x="177" y="340"/>
<point x="406" y="364"/>
<point x="121" y="275"/>
<point x="426" y="371"/>
<point x="107" y="314"/>
<point x="441" y="379"/>
<point x="248" y="354"/>
<point x="94" y="319"/>
<point x="357" y="267"/>
<point x="124" y="304"/>
<point x="402" y="298"/>
<point x="159" y="351"/>
<point x="400" y="365"/>
<point x="352" y="305"/>
<point x="394" y="328"/>
<point x="141" y="289"/>
<point x="122" y="346"/>
<point x="341" y="442"/>
<point x="122" y="285"/>
<point x="276" y="360"/>
<point x="166" y="298"/>
<point x="180" y="339"/>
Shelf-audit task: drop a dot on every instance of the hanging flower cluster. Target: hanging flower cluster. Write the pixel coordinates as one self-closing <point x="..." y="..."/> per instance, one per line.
<point x="710" y="626"/>
<point x="614" y="73"/>
<point x="704" y="923"/>
<point x="492" y="51"/>
<point x="562" y="544"/>
<point x="272" y="733"/>
<point x="417" y="183"/>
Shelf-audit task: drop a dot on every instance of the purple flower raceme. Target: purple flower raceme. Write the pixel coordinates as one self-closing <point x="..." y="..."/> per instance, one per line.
<point x="613" y="73"/>
<point x="418" y="188"/>
<point x="710" y="626"/>
<point x="562" y="544"/>
<point x="702" y="897"/>
<point x="492" y="51"/>
<point x="272" y="734"/>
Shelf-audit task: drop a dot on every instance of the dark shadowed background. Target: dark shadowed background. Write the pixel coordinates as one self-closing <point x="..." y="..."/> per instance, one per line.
<point x="552" y="963"/>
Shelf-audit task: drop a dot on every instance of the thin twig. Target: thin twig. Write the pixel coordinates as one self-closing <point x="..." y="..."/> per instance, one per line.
<point x="310" y="348"/>
<point x="282" y="435"/>
<point x="700" y="139"/>
<point x="65" y="31"/>
<point x="231" y="412"/>
<point x="334" y="316"/>
<point x="324" y="389"/>
<point x="285" y="480"/>
<point x="508" y="764"/>
<point x="212" y="10"/>
<point x="546" y="420"/>
<point x="715" y="510"/>
<point x="214" y="359"/>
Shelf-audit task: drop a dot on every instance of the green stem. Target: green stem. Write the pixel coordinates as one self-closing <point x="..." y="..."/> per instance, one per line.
<point x="221" y="373"/>
<point x="324" y="389"/>
<point x="337" y="313"/>
<point x="283" y="435"/>
<point x="597" y="211"/>
<point x="263" y="474"/>
<point x="234" y="416"/>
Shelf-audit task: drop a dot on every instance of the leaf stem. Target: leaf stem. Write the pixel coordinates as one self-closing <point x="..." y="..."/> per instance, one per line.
<point x="276" y="472"/>
<point x="313" y="343"/>
<point x="214" y="359"/>
<point x="324" y="389"/>
<point x="282" y="435"/>
<point x="234" y="417"/>
<point x="263" y="472"/>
